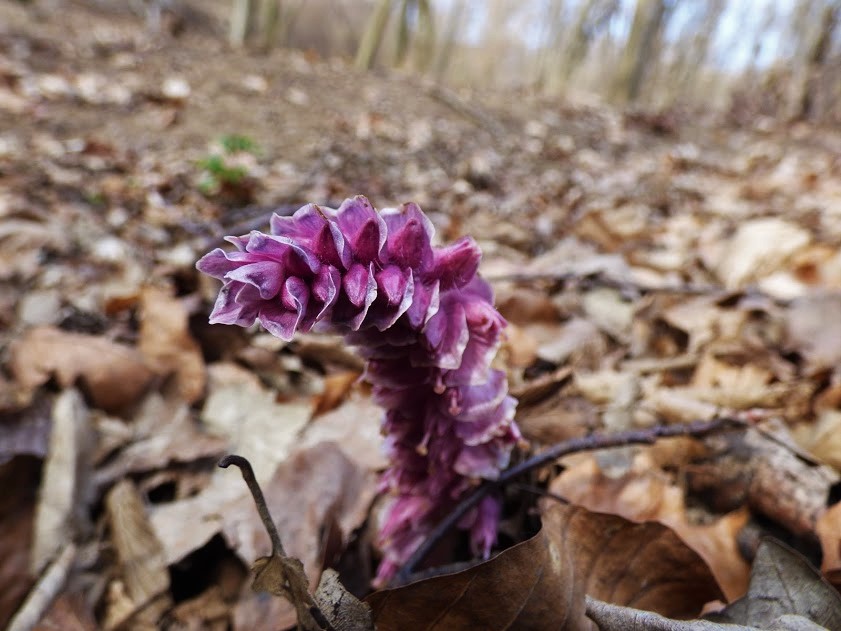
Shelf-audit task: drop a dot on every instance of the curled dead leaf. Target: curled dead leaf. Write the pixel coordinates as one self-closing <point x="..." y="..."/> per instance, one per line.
<point x="166" y="343"/>
<point x="541" y="583"/>
<point x="113" y="375"/>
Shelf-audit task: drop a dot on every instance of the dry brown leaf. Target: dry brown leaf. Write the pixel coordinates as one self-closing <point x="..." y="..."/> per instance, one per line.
<point x="784" y="583"/>
<point x="69" y="612"/>
<point x="140" y="554"/>
<point x="166" y="343"/>
<point x="813" y="329"/>
<point x="643" y="494"/>
<point x="355" y="426"/>
<point x="112" y="374"/>
<point x="759" y="248"/>
<point x="828" y="529"/>
<point x="337" y="388"/>
<point x="821" y="437"/>
<point x="541" y="583"/>
<point x="523" y="587"/>
<point x="62" y="497"/>
<point x="164" y="432"/>
<point x="26" y="432"/>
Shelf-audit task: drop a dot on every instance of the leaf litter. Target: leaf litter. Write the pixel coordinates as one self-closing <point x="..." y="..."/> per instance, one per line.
<point x="649" y="280"/>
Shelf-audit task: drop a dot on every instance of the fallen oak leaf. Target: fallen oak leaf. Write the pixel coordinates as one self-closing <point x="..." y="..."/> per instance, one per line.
<point x="784" y="583"/>
<point x="166" y="343"/>
<point x="616" y="618"/>
<point x="542" y="582"/>
<point x="113" y="375"/>
<point x="786" y="594"/>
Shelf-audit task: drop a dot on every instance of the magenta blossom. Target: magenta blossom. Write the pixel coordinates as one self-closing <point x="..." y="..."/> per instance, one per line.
<point x="425" y="323"/>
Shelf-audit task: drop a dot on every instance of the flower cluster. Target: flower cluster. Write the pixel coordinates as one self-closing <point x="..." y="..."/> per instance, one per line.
<point x="425" y="323"/>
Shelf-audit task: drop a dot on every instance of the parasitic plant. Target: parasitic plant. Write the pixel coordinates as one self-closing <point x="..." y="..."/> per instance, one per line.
<point x="425" y="323"/>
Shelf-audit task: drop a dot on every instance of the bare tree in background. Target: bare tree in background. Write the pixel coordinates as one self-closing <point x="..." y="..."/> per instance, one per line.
<point x="693" y="48"/>
<point x="263" y="22"/>
<point x="639" y="49"/>
<point x="373" y="36"/>
<point x="453" y="24"/>
<point x="593" y="16"/>
<point x="416" y="23"/>
<point x="817" y="54"/>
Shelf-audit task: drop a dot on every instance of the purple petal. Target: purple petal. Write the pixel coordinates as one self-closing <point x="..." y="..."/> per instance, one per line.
<point x="358" y="284"/>
<point x="409" y="237"/>
<point x="473" y="402"/>
<point x="425" y="303"/>
<point x="325" y="288"/>
<point x="266" y="276"/>
<point x="229" y="310"/>
<point x="483" y="531"/>
<point x="447" y="335"/>
<point x="215" y="263"/>
<point x="456" y="265"/>
<point x="281" y="318"/>
<point x="362" y="227"/>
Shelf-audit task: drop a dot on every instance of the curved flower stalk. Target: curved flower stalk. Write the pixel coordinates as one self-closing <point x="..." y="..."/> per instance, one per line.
<point x="426" y="325"/>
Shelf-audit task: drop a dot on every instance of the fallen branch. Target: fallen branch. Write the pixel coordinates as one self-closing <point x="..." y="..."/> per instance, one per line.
<point x="591" y="442"/>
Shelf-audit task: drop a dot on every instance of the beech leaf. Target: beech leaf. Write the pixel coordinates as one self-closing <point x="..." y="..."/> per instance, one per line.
<point x="542" y="582"/>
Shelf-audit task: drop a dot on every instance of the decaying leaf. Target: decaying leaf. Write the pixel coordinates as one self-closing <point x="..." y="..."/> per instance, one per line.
<point x="344" y="610"/>
<point x="112" y="374"/>
<point x="642" y="495"/>
<point x="355" y="425"/>
<point x="167" y="345"/>
<point x="523" y="587"/>
<point x="784" y="583"/>
<point x="138" y="549"/>
<point x="813" y="329"/>
<point x="61" y="498"/>
<point x="541" y="583"/>
<point x="786" y="594"/>
<point x="828" y="530"/>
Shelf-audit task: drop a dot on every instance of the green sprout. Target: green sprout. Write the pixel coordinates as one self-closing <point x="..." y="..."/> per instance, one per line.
<point x="218" y="172"/>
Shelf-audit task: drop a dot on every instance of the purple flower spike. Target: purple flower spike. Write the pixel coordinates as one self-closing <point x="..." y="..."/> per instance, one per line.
<point x="425" y="323"/>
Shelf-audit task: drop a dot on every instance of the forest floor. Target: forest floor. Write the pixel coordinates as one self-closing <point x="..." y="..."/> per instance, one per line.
<point x="654" y="269"/>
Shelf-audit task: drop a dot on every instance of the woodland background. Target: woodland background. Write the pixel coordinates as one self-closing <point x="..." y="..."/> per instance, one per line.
<point x="656" y="187"/>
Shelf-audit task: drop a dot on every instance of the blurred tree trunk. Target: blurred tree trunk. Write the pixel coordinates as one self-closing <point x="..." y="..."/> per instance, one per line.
<point x="691" y="57"/>
<point x="816" y="58"/>
<point x="448" y="43"/>
<point x="241" y="20"/>
<point x="268" y="18"/>
<point x="637" y="56"/>
<point x="425" y="48"/>
<point x="592" y="16"/>
<point x="373" y="36"/>
<point x="554" y="33"/>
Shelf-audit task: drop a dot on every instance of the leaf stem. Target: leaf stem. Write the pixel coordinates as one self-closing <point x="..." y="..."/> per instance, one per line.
<point x="259" y="500"/>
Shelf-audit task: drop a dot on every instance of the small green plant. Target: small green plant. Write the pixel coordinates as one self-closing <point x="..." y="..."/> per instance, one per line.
<point x="234" y="143"/>
<point x="224" y="169"/>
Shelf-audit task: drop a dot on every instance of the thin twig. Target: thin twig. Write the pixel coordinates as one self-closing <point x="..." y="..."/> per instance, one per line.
<point x="534" y="490"/>
<point x="259" y="499"/>
<point x="585" y="443"/>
